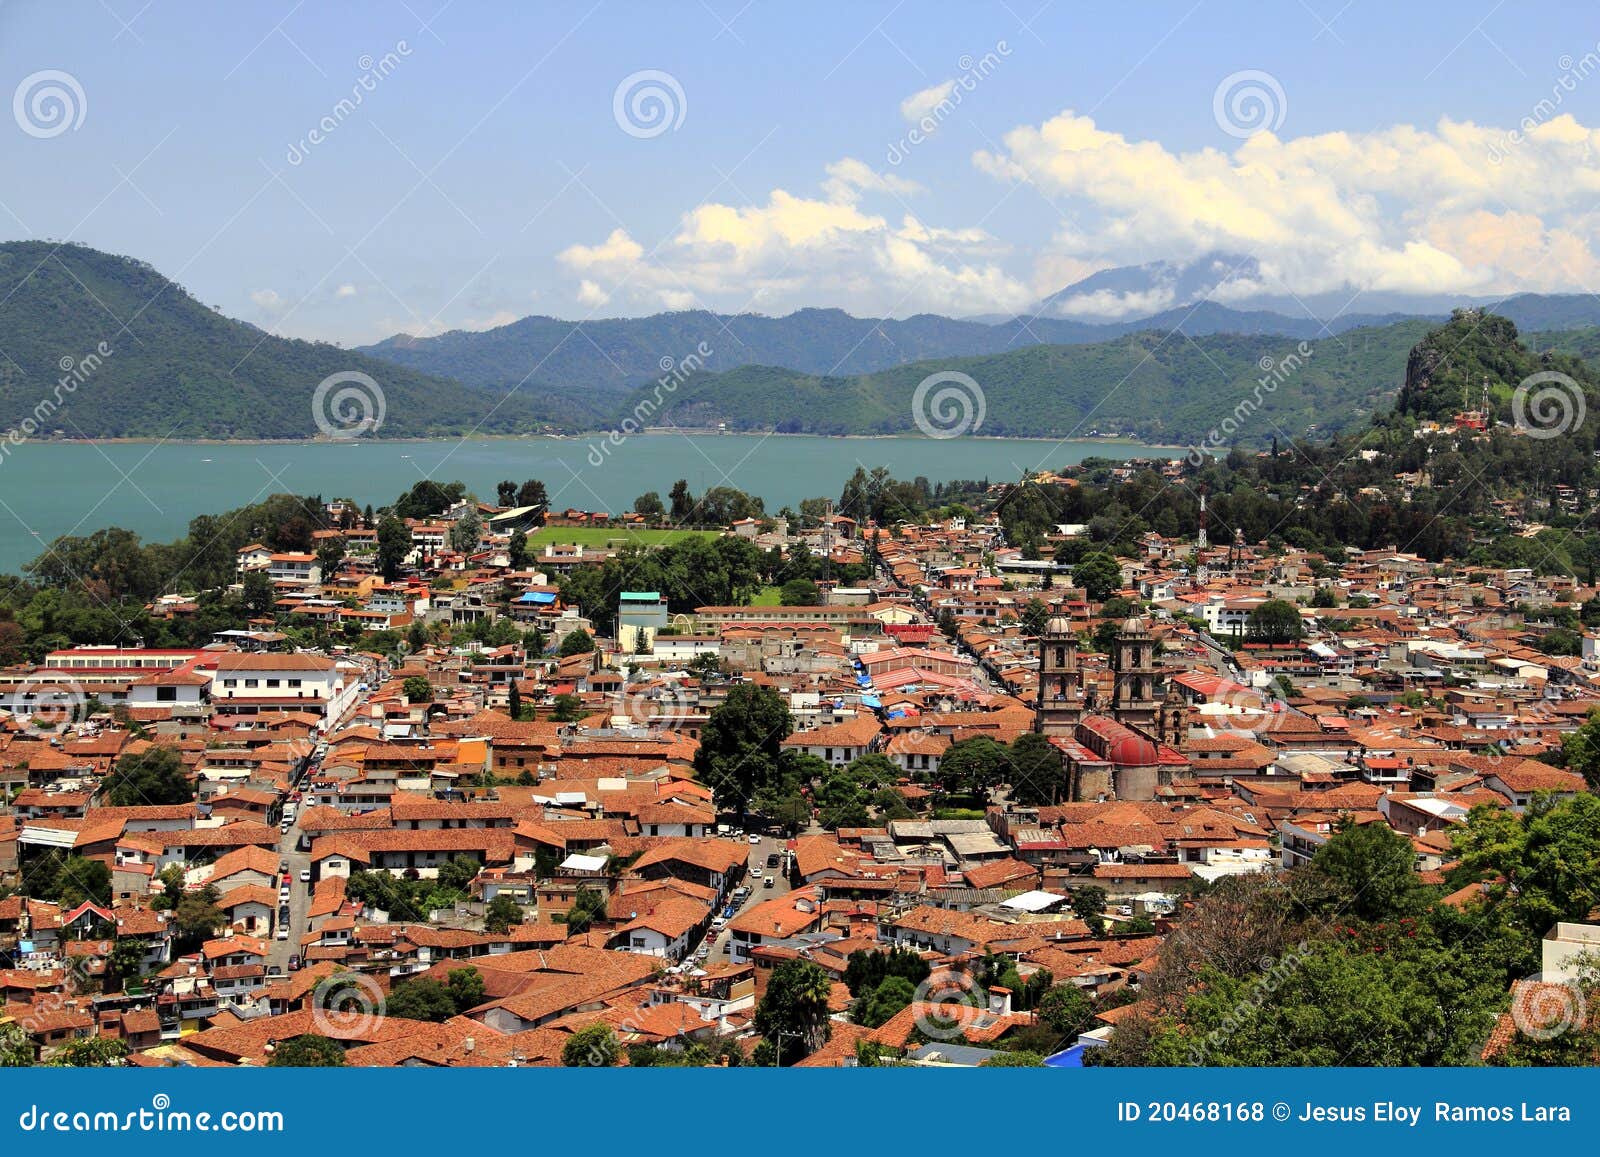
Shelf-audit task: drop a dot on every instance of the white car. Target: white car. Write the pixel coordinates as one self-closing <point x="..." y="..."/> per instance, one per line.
<point x="756" y="871"/>
<point x="305" y="875"/>
<point x="283" y="932"/>
<point x="754" y="839"/>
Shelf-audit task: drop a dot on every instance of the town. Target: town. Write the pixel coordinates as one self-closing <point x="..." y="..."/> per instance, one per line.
<point x="468" y="783"/>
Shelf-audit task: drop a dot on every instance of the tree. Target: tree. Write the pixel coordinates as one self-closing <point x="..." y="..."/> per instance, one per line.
<point x="865" y="969"/>
<point x="568" y="708"/>
<point x="682" y="501"/>
<point x="533" y="493"/>
<point x="196" y="917"/>
<point x="307" y="1051"/>
<point x="394" y="546"/>
<point x="1275" y="622"/>
<point x="127" y="959"/>
<point x="1581" y="749"/>
<point x="973" y="766"/>
<point x="329" y="555"/>
<point x="421" y="999"/>
<point x="1371" y="870"/>
<point x="466" y="532"/>
<point x="505" y="493"/>
<point x="587" y="906"/>
<point x="649" y="506"/>
<point x="258" y="594"/>
<point x="517" y="550"/>
<point x="578" y="642"/>
<point x="514" y="701"/>
<point x="1099" y="574"/>
<point x="90" y="1052"/>
<point x="16" y="1050"/>
<point x="1038" y="774"/>
<point x="502" y="913"/>
<point x="417" y="689"/>
<point x="1089" y="904"/>
<point x="466" y="988"/>
<point x="1012" y="1060"/>
<point x="741" y="745"/>
<point x="793" y="1015"/>
<point x="1066" y="1009"/>
<point x="878" y="1006"/>
<point x="594" y="1047"/>
<point x="1546" y="862"/>
<point x="152" y="777"/>
<point x="799" y="593"/>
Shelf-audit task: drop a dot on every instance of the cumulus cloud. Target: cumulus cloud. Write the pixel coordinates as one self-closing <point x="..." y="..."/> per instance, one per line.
<point x="799" y="250"/>
<point x="268" y="299"/>
<point x="591" y="294"/>
<point x="921" y="104"/>
<point x="346" y="290"/>
<point x="1458" y="208"/>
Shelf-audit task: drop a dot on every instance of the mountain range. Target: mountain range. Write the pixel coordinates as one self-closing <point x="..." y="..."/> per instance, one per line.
<point x="180" y="369"/>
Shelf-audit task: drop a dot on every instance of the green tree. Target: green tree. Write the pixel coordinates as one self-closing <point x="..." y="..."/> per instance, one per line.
<point x="307" y="1051"/>
<point x="741" y="745"/>
<point x="1371" y="869"/>
<point x="594" y="1047"/>
<point x="568" y="708"/>
<point x="90" y="1052"/>
<point x="258" y="595"/>
<point x="466" y="988"/>
<point x="876" y="1007"/>
<point x="1099" y="574"/>
<point x="1581" y="749"/>
<point x="1066" y="1010"/>
<point x="576" y="643"/>
<point x="466" y="532"/>
<point x="799" y="592"/>
<point x="793" y="1015"/>
<point x="421" y="999"/>
<point x="502" y="913"/>
<point x="394" y="546"/>
<point x="587" y="906"/>
<point x="974" y="766"/>
<point x="1089" y="904"/>
<point x="1274" y="621"/>
<point x="1038" y="774"/>
<point x="417" y="689"/>
<point x="16" y="1050"/>
<point x="151" y="777"/>
<point x="196" y="917"/>
<point x="1012" y="1060"/>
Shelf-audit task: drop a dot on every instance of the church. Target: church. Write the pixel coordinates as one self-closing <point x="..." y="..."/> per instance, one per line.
<point x="1126" y="749"/>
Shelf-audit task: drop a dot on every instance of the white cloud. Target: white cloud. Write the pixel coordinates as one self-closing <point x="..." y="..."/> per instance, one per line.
<point x="1454" y="209"/>
<point x="796" y="250"/>
<point x="592" y="295"/>
<point x="346" y="290"/>
<point x="266" y="298"/>
<point x="921" y="104"/>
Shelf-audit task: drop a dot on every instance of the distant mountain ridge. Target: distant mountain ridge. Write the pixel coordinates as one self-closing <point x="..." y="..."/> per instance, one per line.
<point x="145" y="359"/>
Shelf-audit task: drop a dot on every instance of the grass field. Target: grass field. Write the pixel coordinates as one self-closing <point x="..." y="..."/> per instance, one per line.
<point x="768" y="597"/>
<point x="609" y="536"/>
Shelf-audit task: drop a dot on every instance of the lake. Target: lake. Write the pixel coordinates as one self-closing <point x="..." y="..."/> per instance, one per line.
<point x="50" y="489"/>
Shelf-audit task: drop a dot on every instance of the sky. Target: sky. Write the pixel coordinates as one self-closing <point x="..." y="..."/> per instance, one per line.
<point x="423" y="166"/>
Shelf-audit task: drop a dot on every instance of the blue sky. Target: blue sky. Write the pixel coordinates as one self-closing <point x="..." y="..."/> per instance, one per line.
<point x="486" y="175"/>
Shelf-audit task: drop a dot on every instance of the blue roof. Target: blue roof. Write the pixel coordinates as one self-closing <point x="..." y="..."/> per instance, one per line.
<point x="871" y="701"/>
<point x="538" y="597"/>
<point x="640" y="596"/>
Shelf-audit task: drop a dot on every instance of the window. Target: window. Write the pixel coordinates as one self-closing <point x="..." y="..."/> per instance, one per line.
<point x="166" y="694"/>
<point x="272" y="682"/>
<point x="251" y="682"/>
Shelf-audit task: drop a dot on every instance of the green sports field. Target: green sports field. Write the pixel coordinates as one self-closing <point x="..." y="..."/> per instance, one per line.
<point x="609" y="536"/>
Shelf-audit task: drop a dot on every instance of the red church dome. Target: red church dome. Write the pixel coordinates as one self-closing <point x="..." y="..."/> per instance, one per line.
<point x="1123" y="746"/>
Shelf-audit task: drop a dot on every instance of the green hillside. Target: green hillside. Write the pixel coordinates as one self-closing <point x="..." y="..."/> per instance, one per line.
<point x="176" y="368"/>
<point x="1155" y="386"/>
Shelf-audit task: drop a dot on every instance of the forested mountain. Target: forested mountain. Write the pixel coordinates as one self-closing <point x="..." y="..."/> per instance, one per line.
<point x="173" y="367"/>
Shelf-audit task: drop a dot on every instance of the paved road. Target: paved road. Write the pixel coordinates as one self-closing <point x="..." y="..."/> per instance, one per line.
<point x="758" y="892"/>
<point x="299" y="901"/>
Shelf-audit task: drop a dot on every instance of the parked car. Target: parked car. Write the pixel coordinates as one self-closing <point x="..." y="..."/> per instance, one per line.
<point x="728" y="912"/>
<point x="769" y="881"/>
<point x="772" y="859"/>
<point x="305" y="875"/>
<point x="756" y="871"/>
<point x="283" y="932"/>
<point x="283" y="865"/>
<point x="294" y="963"/>
<point x="719" y="924"/>
<point x="755" y="838"/>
